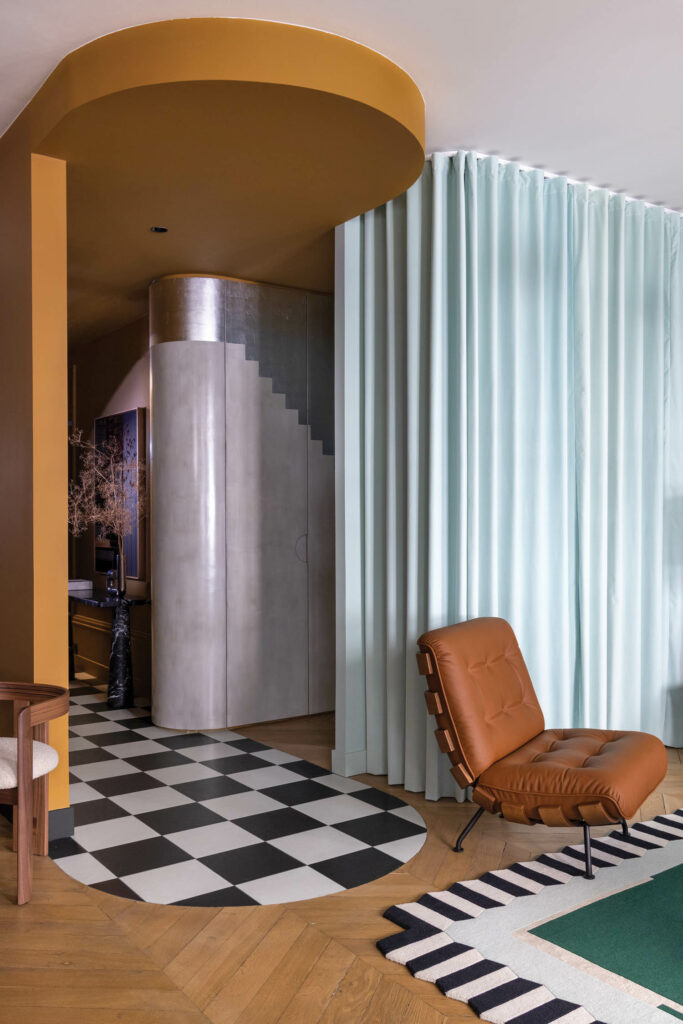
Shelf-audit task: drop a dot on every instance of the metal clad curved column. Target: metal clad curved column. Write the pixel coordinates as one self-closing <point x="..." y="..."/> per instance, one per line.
<point x="188" y="503"/>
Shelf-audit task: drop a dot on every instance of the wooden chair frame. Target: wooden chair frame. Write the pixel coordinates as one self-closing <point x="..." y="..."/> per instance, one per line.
<point x="34" y="706"/>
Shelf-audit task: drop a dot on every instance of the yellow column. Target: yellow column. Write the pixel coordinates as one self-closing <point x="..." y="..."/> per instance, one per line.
<point x="50" y="451"/>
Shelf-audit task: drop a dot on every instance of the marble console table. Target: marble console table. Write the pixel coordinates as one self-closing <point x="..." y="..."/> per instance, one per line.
<point x="120" y="693"/>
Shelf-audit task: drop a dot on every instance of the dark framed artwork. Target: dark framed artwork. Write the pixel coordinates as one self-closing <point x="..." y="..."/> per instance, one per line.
<point x="128" y="428"/>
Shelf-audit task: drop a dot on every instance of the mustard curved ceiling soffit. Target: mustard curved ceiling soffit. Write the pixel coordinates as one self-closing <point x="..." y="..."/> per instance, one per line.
<point x="224" y="50"/>
<point x="248" y="140"/>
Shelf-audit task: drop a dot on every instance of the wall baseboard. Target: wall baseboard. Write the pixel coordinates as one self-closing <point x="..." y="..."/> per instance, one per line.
<point x="60" y="822"/>
<point x="353" y="762"/>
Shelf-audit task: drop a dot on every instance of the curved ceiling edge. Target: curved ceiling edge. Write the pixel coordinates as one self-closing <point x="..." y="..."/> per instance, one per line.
<point x="223" y="49"/>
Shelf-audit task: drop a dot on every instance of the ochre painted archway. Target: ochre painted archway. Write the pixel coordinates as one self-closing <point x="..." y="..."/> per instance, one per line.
<point x="252" y="140"/>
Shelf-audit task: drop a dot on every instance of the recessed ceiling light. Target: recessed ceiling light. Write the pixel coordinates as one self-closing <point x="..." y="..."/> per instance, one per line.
<point x="157" y="230"/>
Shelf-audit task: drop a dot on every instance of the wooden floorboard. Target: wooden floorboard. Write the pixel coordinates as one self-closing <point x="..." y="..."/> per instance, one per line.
<point x="78" y="956"/>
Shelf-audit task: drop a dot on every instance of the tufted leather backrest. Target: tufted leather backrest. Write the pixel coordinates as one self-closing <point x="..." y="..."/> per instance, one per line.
<point x="480" y="693"/>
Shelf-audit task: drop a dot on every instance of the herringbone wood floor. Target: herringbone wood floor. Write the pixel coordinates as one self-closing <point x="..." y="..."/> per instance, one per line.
<point x="76" y="956"/>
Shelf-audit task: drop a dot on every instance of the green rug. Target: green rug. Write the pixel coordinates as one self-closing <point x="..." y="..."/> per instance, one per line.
<point x="630" y="933"/>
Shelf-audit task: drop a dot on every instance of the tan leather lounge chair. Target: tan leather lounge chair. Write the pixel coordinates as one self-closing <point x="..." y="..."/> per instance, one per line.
<point x="492" y="728"/>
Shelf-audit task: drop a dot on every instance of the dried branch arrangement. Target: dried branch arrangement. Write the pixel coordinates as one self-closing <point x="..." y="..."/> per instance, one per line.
<point x="109" y="491"/>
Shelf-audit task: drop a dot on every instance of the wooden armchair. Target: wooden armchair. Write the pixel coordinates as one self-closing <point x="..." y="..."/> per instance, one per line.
<point x="25" y="763"/>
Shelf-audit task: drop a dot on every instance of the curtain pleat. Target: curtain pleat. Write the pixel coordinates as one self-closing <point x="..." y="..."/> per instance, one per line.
<point x="515" y="448"/>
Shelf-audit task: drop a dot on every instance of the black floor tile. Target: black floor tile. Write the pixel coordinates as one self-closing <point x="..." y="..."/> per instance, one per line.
<point x="210" y="789"/>
<point x="66" y="847"/>
<point x="248" y="746"/>
<point x="305" y="768"/>
<point x="379" y="828"/>
<point x="90" y="811"/>
<point x="357" y="868"/>
<point x="238" y="763"/>
<point x="90" y="755"/>
<point x="151" y="762"/>
<point x="376" y="797"/>
<point x="177" y="819"/>
<point x="115" y="887"/>
<point x="133" y="783"/>
<point x="250" y="862"/>
<point x="230" y="897"/>
<point x="143" y="722"/>
<point x="184" y="739"/>
<point x="116" y="738"/>
<point x="144" y="855"/>
<point x="275" y="824"/>
<point x="292" y="793"/>
<point x="77" y="720"/>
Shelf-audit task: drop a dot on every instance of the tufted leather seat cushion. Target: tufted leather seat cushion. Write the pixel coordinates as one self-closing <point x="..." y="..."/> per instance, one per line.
<point x="569" y="775"/>
<point x="45" y="758"/>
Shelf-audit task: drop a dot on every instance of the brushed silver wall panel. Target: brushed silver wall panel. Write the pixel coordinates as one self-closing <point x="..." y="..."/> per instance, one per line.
<point x="188" y="535"/>
<point x="187" y="308"/>
<point x="321" y="597"/>
<point x="266" y="514"/>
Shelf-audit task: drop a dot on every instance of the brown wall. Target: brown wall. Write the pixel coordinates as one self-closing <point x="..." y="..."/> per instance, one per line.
<point x="33" y="379"/>
<point x="16" y="415"/>
<point x="109" y="375"/>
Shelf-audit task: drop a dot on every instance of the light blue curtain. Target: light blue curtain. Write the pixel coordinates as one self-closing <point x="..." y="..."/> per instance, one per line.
<point x="509" y="366"/>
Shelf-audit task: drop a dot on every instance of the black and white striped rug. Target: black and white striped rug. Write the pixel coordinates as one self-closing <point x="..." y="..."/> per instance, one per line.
<point x="428" y="949"/>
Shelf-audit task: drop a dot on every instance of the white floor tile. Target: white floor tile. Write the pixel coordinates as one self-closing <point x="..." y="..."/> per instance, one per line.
<point x="150" y="800"/>
<point x="120" y="713"/>
<point x="334" y="809"/>
<point x="85" y="698"/>
<point x="275" y="756"/>
<point x="175" y="882"/>
<point x="80" y="792"/>
<point x="154" y="732"/>
<point x="404" y="849"/>
<point x="84" y="868"/>
<point x="80" y="743"/>
<point x="210" y="751"/>
<point x="183" y="773"/>
<point x="242" y="804"/>
<point x="297" y="884"/>
<point x="114" y="832"/>
<point x="217" y="838"/>
<point x="93" y="728"/>
<point x="102" y="770"/>
<point x="409" y="814"/>
<point x="138" y="749"/>
<point x="318" y="844"/>
<point x="222" y="735"/>
<point x="263" y="778"/>
<point x="341" y="784"/>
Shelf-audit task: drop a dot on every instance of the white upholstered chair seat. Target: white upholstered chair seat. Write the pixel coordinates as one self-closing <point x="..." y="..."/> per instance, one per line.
<point x="45" y="758"/>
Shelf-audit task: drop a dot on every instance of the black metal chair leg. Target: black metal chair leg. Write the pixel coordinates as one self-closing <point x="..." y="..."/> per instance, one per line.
<point x="467" y="829"/>
<point x="587" y="849"/>
<point x="624" y="826"/>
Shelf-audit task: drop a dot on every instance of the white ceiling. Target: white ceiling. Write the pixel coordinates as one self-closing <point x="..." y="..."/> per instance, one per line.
<point x="590" y="88"/>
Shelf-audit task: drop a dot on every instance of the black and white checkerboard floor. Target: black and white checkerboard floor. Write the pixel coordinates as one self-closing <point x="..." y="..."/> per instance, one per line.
<point x="214" y="819"/>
